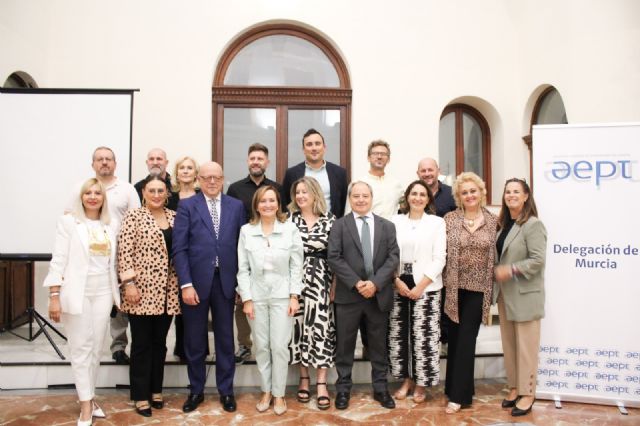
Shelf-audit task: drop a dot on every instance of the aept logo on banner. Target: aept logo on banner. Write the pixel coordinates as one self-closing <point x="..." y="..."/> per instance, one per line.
<point x="592" y="170"/>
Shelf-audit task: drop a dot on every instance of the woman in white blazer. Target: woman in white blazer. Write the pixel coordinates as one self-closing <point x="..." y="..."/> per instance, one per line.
<point x="83" y="287"/>
<point x="414" y="323"/>
<point x="270" y="256"/>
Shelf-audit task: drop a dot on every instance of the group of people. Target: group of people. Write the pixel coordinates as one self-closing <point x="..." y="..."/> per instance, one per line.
<point x="306" y="265"/>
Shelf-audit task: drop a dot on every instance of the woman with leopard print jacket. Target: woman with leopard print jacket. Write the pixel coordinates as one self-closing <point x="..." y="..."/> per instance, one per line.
<point x="149" y="290"/>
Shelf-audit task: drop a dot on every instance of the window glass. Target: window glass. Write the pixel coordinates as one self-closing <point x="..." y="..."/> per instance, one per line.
<point x="552" y="109"/>
<point x="281" y="60"/>
<point x="243" y="127"/>
<point x="447" y="146"/>
<point x="472" y="145"/>
<point x="326" y="121"/>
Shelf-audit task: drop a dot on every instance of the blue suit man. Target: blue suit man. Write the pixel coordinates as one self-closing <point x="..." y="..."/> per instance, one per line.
<point x="205" y="239"/>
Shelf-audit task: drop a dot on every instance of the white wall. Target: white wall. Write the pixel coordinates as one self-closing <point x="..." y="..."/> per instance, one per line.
<point x="407" y="62"/>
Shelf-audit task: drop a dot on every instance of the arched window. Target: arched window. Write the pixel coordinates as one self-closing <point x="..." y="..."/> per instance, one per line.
<point x="20" y="80"/>
<point x="549" y="109"/>
<point x="272" y="84"/>
<point x="464" y="144"/>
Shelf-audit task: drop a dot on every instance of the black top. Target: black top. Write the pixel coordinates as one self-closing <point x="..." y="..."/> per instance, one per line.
<point x="503" y="235"/>
<point x="244" y="189"/>
<point x="174" y="199"/>
<point x="337" y="185"/>
<point x="166" y="233"/>
<point x="138" y="186"/>
<point x="444" y="200"/>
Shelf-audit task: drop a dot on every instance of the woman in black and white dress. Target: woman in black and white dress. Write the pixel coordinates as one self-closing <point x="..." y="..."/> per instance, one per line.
<point x="414" y="324"/>
<point x="313" y="343"/>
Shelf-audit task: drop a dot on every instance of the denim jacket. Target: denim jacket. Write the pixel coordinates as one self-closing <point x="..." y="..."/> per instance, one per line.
<point x="285" y="246"/>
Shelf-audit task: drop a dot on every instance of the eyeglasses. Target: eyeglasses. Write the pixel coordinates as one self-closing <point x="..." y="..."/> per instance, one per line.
<point x="379" y="154"/>
<point x="212" y="178"/>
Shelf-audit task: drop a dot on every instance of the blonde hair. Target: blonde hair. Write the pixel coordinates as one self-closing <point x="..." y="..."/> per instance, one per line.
<point x="465" y="177"/>
<point x="78" y="209"/>
<point x="319" y="204"/>
<point x="255" y="214"/>
<point x="175" y="184"/>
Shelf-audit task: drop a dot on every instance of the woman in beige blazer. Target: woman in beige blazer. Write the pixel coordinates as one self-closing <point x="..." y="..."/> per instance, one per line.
<point x="149" y="290"/>
<point x="83" y="287"/>
<point x="519" y="290"/>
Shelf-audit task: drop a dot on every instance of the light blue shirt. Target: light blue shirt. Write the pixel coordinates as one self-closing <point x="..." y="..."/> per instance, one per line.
<point x="283" y="253"/>
<point x="323" y="179"/>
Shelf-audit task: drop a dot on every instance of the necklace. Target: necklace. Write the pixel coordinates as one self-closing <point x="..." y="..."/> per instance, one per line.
<point x="471" y="222"/>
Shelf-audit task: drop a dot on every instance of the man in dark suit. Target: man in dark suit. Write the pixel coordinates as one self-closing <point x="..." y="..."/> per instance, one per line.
<point x="331" y="177"/>
<point x="205" y="239"/>
<point x="364" y="255"/>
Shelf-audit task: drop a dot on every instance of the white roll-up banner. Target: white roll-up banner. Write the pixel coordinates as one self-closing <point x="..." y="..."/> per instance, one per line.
<point x="587" y="188"/>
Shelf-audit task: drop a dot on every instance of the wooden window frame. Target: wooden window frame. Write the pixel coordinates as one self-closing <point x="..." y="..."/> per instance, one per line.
<point x="281" y="98"/>
<point x="459" y="109"/>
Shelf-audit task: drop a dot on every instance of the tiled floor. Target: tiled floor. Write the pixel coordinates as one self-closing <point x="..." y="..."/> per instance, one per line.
<point x="60" y="408"/>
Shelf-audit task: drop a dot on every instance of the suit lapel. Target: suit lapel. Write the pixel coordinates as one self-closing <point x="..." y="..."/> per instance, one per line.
<point x="203" y="211"/>
<point x="83" y="233"/>
<point x="224" y="214"/>
<point x="515" y="230"/>
<point x="353" y="230"/>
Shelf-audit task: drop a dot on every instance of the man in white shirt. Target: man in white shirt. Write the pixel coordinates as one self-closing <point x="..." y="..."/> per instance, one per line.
<point x="387" y="190"/>
<point x="121" y="196"/>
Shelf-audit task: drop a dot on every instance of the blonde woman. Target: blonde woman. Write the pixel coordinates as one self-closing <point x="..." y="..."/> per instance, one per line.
<point x="269" y="283"/>
<point x="184" y="182"/>
<point x="83" y="287"/>
<point x="313" y="343"/>
<point x="468" y="279"/>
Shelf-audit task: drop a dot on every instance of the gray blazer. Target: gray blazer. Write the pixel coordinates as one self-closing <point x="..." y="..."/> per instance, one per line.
<point x="345" y="259"/>
<point x="525" y="247"/>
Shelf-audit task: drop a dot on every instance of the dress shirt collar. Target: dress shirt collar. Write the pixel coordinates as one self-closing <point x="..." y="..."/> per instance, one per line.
<point x="208" y="199"/>
<point x="324" y="166"/>
<point x="369" y="216"/>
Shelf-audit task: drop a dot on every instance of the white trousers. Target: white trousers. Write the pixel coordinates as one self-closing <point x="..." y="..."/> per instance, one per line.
<point x="86" y="333"/>
<point x="271" y="332"/>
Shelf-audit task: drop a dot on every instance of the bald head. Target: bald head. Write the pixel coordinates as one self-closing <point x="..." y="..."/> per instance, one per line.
<point x="428" y="171"/>
<point x="211" y="179"/>
<point x="157" y="162"/>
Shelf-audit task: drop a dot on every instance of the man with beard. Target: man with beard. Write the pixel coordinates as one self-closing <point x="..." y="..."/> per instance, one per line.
<point x="429" y="171"/>
<point x="157" y="166"/>
<point x="243" y="190"/>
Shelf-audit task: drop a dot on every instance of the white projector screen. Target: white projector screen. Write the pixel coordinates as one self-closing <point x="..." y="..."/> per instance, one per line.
<point x="47" y="137"/>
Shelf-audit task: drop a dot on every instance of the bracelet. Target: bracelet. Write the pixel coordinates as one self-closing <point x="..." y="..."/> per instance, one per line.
<point x="54" y="293"/>
<point x="128" y="283"/>
<point x="293" y="296"/>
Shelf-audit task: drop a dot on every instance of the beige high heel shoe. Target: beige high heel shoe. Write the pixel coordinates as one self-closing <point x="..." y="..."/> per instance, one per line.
<point x="262" y="405"/>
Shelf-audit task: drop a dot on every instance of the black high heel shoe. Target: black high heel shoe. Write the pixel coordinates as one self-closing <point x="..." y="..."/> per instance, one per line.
<point x="517" y="412"/>
<point x="510" y="403"/>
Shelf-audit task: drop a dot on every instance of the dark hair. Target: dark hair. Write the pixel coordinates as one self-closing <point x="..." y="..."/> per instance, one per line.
<point x="529" y="209"/>
<point x="312" y="132"/>
<point x="151" y="178"/>
<point x="255" y="215"/>
<point x="258" y="147"/>
<point x="430" y="208"/>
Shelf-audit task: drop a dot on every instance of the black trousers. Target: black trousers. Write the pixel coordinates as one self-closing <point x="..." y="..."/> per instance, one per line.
<point x="348" y="318"/>
<point x="462" y="347"/>
<point x="148" y="352"/>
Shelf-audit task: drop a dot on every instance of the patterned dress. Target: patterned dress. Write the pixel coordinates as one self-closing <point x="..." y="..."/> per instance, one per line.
<point x="313" y="342"/>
